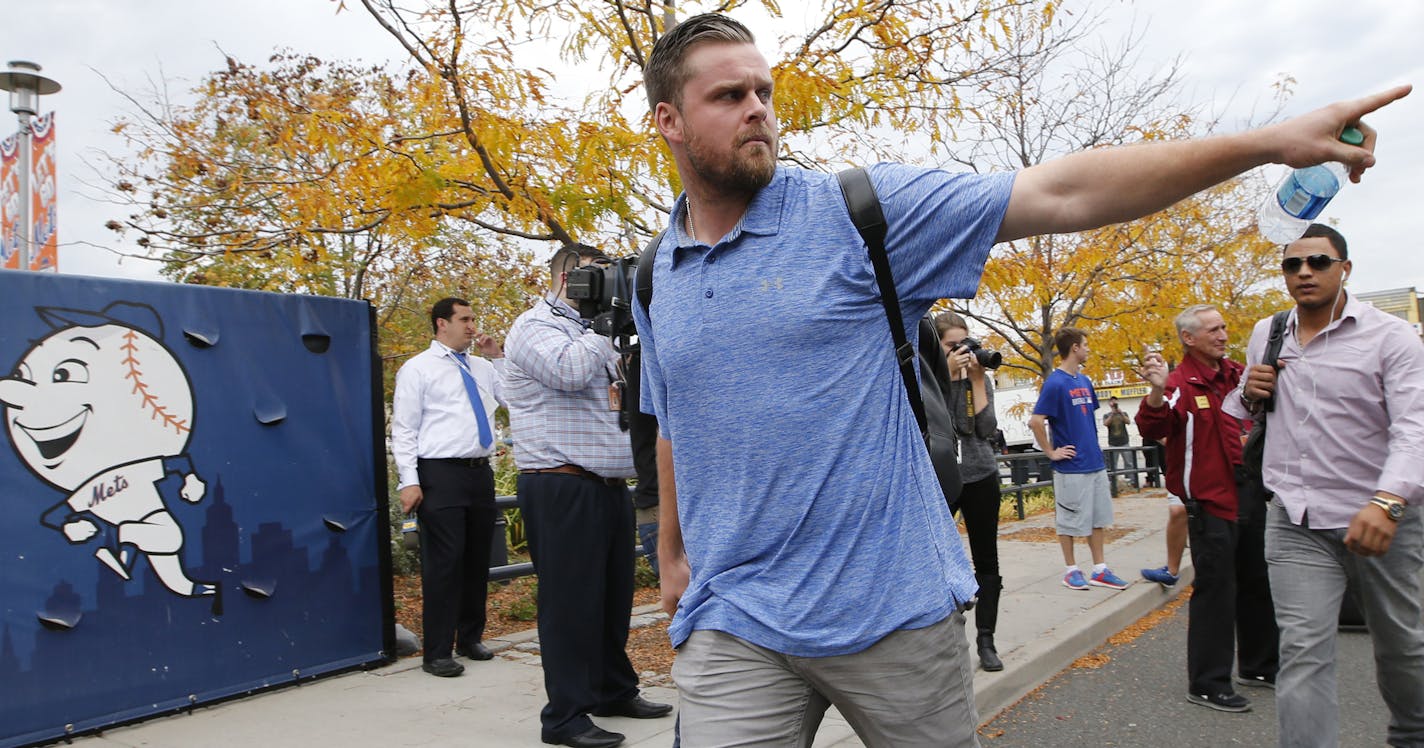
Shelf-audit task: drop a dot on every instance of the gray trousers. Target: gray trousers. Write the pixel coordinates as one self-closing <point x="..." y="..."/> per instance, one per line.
<point x="911" y="688"/>
<point x="1309" y="569"/>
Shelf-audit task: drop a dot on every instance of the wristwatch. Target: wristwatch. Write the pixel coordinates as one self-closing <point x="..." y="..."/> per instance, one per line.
<point x="1393" y="508"/>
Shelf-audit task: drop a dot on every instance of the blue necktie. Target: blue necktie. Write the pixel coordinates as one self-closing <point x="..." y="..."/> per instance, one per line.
<point x="471" y="389"/>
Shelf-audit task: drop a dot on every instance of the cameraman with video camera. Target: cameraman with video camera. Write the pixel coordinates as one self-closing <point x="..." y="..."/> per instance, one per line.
<point x="563" y="386"/>
<point x="603" y="291"/>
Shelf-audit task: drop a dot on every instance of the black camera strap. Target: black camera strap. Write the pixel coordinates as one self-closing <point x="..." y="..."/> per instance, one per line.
<point x="864" y="207"/>
<point x="869" y="220"/>
<point x="1273" y="350"/>
<point x="643" y="278"/>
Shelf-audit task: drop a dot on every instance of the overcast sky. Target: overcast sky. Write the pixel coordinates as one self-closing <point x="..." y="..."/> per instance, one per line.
<point x="1233" y="52"/>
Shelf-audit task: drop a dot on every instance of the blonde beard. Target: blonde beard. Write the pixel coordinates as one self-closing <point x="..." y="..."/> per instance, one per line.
<point x="742" y="175"/>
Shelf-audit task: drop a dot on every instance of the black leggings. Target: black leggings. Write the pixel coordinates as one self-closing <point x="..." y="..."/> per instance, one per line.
<point x="979" y="503"/>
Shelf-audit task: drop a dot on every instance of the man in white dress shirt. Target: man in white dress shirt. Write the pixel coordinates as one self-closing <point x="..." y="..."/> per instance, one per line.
<point x="442" y="436"/>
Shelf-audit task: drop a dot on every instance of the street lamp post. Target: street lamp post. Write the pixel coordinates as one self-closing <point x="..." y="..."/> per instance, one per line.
<point x="26" y="86"/>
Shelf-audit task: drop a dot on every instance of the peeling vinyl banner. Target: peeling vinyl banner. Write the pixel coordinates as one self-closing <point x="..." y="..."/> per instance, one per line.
<point x="193" y="493"/>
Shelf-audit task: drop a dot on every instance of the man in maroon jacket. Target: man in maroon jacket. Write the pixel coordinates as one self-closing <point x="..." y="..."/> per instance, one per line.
<point x="1232" y="589"/>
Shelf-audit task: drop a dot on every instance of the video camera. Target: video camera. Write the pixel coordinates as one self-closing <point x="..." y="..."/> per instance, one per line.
<point x="603" y="292"/>
<point x="987" y="359"/>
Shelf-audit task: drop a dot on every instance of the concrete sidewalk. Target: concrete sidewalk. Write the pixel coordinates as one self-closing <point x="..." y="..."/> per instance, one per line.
<point x="1043" y="627"/>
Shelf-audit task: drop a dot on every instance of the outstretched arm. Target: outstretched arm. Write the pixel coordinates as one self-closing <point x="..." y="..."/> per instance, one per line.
<point x="1098" y="187"/>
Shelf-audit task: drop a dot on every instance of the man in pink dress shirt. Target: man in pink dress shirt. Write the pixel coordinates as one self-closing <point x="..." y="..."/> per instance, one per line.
<point x="1344" y="458"/>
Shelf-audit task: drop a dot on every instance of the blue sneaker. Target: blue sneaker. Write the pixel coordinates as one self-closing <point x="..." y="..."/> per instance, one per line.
<point x="1161" y="576"/>
<point x="1074" y="580"/>
<point x="1106" y="578"/>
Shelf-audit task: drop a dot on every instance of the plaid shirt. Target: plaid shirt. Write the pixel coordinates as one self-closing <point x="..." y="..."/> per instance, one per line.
<point x="556" y="380"/>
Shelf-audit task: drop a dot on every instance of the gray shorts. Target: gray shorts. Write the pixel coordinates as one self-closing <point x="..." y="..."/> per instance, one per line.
<point x="1173" y="500"/>
<point x="913" y="688"/>
<point x="1083" y="502"/>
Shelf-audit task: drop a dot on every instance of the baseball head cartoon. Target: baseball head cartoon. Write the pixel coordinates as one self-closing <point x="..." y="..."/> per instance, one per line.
<point x="98" y="391"/>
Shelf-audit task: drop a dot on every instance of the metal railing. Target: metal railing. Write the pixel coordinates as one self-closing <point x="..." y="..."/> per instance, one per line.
<point x="508" y="571"/>
<point x="1016" y="469"/>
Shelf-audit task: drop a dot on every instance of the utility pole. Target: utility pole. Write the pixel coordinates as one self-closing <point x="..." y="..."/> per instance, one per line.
<point x="26" y="86"/>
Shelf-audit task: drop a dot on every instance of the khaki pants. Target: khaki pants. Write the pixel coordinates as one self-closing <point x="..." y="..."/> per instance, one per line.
<point x="911" y="688"/>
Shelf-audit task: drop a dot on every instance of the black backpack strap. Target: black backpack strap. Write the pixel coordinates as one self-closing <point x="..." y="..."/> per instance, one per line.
<point x="643" y="280"/>
<point x="1273" y="350"/>
<point x="869" y="219"/>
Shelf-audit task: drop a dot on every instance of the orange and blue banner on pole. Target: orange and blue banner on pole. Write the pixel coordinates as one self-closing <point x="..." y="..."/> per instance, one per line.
<point x="44" y="183"/>
<point x="10" y="202"/>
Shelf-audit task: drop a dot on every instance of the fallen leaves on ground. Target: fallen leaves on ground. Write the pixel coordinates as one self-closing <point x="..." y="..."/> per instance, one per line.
<point x="1095" y="660"/>
<point x="1091" y="661"/>
<point x="1050" y="535"/>
<point x="508" y="604"/>
<point x="1151" y="620"/>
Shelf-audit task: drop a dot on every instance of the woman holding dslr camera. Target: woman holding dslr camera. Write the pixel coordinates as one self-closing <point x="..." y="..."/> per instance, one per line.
<point x="970" y="394"/>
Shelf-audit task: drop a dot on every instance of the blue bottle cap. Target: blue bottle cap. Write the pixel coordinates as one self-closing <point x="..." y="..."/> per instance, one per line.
<point x="1352" y="135"/>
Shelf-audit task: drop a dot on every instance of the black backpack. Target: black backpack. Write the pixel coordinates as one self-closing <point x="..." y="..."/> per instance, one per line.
<point x="1253" y="452"/>
<point x="926" y="395"/>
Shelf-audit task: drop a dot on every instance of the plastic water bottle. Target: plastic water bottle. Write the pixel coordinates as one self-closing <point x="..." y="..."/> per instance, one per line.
<point x="1302" y="195"/>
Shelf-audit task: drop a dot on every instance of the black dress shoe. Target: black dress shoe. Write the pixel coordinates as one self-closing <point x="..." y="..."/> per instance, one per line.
<point x="636" y="707"/>
<point x="446" y="668"/>
<point x="988" y="655"/>
<point x="593" y="737"/>
<point x="476" y="651"/>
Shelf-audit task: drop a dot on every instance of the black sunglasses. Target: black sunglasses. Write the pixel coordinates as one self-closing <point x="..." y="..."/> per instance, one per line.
<point x="1316" y="262"/>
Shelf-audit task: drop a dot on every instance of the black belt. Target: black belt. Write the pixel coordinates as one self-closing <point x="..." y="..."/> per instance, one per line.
<point x="469" y="462"/>
<point x="576" y="471"/>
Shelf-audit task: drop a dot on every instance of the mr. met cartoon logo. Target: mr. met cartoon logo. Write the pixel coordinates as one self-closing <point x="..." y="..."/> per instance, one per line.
<point x="101" y="409"/>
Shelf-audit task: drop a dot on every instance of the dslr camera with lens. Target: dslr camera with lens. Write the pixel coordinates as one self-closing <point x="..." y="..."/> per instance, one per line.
<point x="987" y="359"/>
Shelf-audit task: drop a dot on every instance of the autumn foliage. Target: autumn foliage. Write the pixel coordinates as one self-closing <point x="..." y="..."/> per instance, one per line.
<point x="452" y="171"/>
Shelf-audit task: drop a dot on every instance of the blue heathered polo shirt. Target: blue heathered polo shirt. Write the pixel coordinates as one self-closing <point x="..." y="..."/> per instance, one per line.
<point x="1070" y="403"/>
<point x="813" y="522"/>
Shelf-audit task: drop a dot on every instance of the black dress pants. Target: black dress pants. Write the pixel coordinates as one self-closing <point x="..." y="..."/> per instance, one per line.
<point x="581" y="541"/>
<point x="456" y="516"/>
<point x="1230" y="612"/>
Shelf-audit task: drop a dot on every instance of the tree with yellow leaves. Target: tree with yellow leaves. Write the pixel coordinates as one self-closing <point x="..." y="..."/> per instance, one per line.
<point x="334" y="178"/>
<point x="299" y="178"/>
<point x="337" y="178"/>
<point x="1122" y="283"/>
<point x="865" y="72"/>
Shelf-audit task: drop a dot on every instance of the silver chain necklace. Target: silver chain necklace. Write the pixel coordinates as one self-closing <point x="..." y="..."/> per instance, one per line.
<point x="691" y="229"/>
